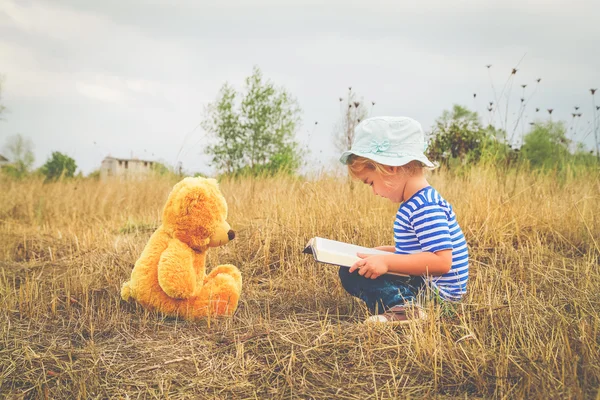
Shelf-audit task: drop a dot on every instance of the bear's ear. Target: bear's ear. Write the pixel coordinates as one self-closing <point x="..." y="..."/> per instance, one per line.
<point x="208" y="183"/>
<point x="189" y="180"/>
<point x="179" y="186"/>
<point x="179" y="199"/>
<point x="172" y="199"/>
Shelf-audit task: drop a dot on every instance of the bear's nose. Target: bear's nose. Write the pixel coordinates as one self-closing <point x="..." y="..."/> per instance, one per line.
<point x="231" y="234"/>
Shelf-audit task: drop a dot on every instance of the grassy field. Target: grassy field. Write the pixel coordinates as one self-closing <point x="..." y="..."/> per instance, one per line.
<point x="528" y="328"/>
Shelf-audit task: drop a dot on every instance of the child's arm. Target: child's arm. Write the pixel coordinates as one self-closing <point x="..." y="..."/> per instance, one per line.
<point x="373" y="266"/>
<point x="391" y="249"/>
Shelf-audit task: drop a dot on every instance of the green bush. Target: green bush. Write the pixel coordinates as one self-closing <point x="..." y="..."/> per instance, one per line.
<point x="459" y="138"/>
<point x="58" y="166"/>
<point x="546" y="146"/>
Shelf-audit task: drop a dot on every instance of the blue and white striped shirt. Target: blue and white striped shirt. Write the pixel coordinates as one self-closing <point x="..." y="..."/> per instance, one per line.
<point x="426" y="222"/>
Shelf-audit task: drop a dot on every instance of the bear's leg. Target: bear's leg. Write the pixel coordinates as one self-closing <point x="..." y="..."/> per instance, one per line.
<point x="226" y="269"/>
<point x="218" y="296"/>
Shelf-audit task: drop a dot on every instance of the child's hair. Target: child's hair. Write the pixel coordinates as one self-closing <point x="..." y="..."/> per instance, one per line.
<point x="357" y="164"/>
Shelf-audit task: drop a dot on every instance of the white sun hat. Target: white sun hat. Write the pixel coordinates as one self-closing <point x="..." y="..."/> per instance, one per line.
<point x="392" y="141"/>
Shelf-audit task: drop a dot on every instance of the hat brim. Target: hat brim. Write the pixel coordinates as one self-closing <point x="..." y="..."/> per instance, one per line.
<point x="387" y="160"/>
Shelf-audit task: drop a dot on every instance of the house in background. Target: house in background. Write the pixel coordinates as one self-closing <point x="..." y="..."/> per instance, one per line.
<point x="3" y="161"/>
<point x="125" y="169"/>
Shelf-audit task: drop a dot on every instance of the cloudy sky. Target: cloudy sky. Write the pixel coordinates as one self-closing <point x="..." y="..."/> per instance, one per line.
<point x="132" y="77"/>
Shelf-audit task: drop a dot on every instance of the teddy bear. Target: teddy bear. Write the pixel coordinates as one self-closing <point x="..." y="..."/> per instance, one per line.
<point x="170" y="275"/>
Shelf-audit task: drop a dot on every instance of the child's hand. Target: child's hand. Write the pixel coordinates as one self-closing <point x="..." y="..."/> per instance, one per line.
<point x="371" y="266"/>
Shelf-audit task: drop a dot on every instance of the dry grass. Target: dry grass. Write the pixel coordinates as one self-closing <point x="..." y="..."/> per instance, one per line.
<point x="529" y="327"/>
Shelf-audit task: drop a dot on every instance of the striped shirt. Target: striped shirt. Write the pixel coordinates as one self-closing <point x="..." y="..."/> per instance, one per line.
<point x="426" y="222"/>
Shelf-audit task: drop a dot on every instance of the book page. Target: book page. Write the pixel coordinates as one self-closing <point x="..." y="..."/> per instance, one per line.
<point x="340" y="253"/>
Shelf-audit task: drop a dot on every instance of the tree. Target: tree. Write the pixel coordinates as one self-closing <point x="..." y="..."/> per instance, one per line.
<point x="94" y="175"/>
<point x="546" y="145"/>
<point x="20" y="153"/>
<point x="224" y="122"/>
<point x="58" y="166"/>
<point x="352" y="111"/>
<point x="160" y="169"/>
<point x="257" y="134"/>
<point x="163" y="169"/>
<point x="458" y="134"/>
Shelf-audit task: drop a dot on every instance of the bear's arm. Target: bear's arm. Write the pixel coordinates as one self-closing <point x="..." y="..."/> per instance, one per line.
<point x="176" y="274"/>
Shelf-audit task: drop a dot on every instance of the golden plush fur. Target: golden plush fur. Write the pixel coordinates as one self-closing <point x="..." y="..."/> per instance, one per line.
<point x="170" y="275"/>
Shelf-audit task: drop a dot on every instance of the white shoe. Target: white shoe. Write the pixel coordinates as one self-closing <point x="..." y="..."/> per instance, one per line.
<point x="399" y="315"/>
<point x="377" y="318"/>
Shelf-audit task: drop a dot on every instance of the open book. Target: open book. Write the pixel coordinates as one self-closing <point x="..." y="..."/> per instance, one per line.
<point x="339" y="253"/>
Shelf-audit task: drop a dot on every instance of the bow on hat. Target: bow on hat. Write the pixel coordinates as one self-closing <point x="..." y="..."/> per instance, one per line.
<point x="378" y="147"/>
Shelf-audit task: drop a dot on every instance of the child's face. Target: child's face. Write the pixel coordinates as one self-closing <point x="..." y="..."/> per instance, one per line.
<point x="389" y="186"/>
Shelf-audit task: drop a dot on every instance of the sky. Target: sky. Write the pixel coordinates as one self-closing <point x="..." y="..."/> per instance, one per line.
<point x="132" y="78"/>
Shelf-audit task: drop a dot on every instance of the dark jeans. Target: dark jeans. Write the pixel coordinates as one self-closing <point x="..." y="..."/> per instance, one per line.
<point x="384" y="292"/>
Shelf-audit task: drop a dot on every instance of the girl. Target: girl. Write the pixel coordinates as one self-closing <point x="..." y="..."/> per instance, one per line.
<point x="387" y="154"/>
